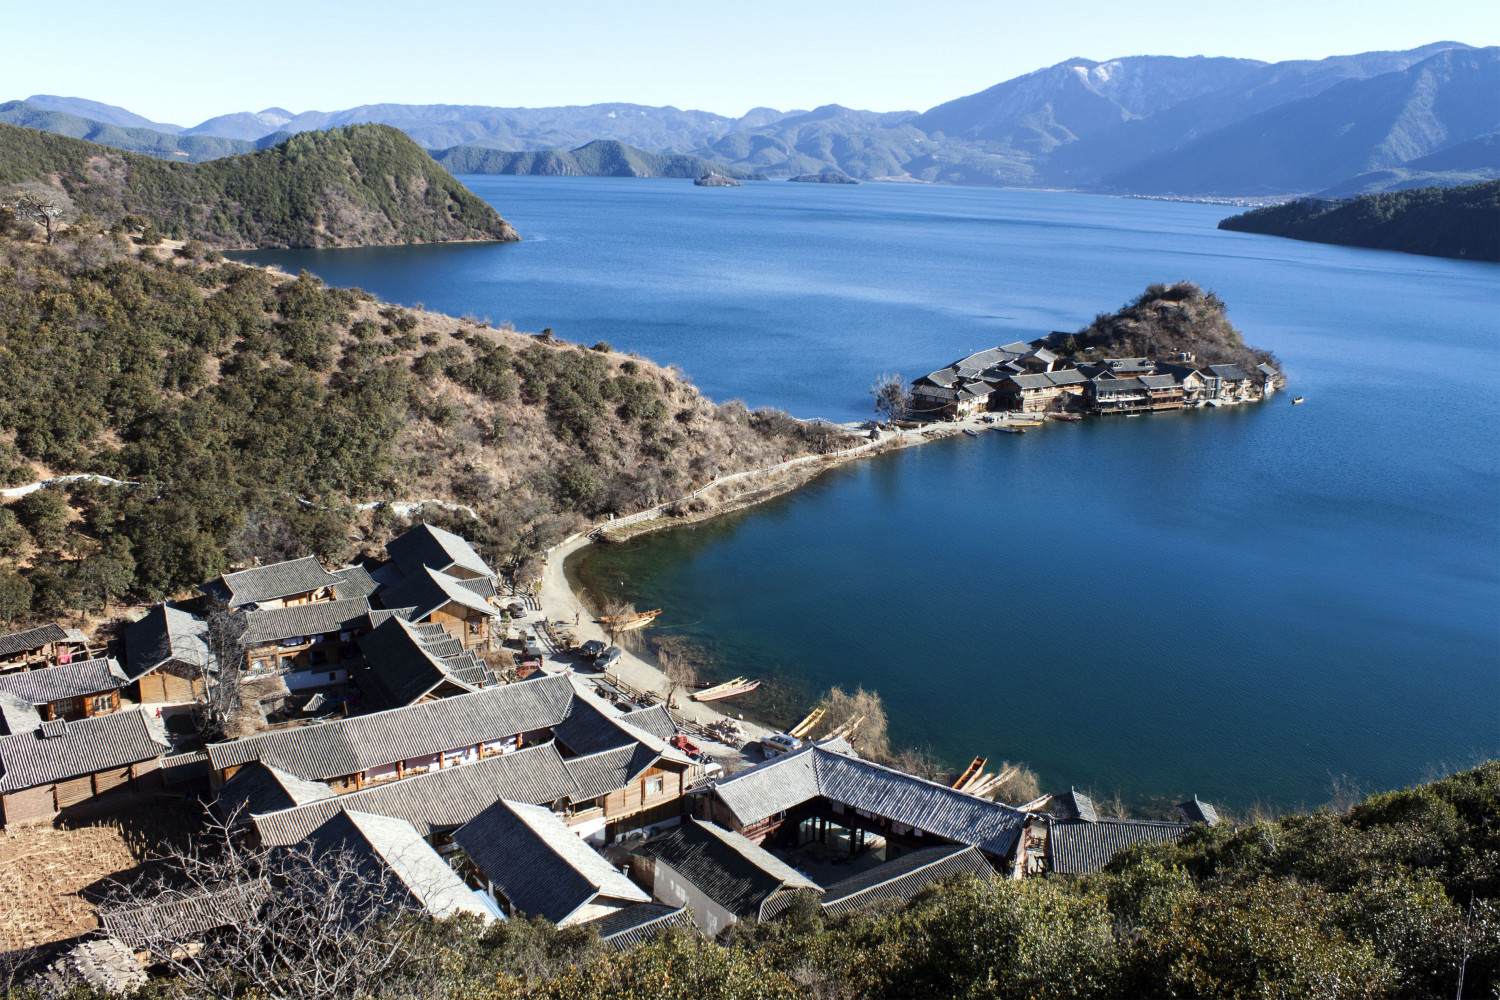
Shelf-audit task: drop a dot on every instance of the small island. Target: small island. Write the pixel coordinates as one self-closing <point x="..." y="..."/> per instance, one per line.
<point x="1438" y="222"/>
<point x="715" y="179"/>
<point x="829" y="176"/>
<point x="1172" y="347"/>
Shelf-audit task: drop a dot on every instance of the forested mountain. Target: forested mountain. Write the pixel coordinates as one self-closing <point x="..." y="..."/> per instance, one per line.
<point x="1351" y="128"/>
<point x="1441" y="222"/>
<point x="1142" y="124"/>
<point x="1469" y="162"/>
<point x="600" y="158"/>
<point x="366" y="184"/>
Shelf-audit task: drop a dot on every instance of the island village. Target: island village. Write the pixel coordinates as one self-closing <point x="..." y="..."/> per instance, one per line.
<point x="484" y="753"/>
<point x="1033" y="378"/>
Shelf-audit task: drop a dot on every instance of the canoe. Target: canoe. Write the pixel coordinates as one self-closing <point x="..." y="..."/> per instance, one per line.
<point x="972" y="434"/>
<point x="624" y="623"/>
<point x="1297" y="400"/>
<point x="726" y="690"/>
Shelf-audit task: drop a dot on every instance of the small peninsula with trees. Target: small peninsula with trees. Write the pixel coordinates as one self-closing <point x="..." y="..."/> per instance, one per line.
<point x="1459" y="222"/>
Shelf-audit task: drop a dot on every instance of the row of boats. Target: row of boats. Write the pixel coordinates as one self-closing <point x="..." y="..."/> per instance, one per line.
<point x="641" y="619"/>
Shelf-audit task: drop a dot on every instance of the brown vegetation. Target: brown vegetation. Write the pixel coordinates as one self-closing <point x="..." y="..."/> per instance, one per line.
<point x="1164" y="322"/>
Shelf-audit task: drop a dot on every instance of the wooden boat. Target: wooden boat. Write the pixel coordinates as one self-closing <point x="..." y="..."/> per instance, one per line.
<point x="726" y="690"/>
<point x="627" y="623"/>
<point x="1065" y="416"/>
<point x="1011" y="430"/>
<point x="971" y="433"/>
<point x="1297" y="400"/>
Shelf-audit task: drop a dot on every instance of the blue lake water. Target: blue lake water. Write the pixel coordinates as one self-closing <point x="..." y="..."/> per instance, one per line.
<point x="1242" y="604"/>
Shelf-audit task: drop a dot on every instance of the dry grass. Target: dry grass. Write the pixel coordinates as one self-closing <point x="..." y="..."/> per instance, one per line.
<point x="43" y="869"/>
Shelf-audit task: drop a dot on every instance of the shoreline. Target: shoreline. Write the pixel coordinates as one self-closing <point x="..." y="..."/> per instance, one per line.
<point x="561" y="600"/>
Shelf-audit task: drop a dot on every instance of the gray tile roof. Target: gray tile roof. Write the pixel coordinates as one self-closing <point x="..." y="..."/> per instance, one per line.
<point x="903" y="877"/>
<point x="62" y="750"/>
<point x="655" y="720"/>
<point x="65" y="681"/>
<point x="438" y="800"/>
<point x="745" y="879"/>
<point x="944" y="377"/>
<point x="600" y="773"/>
<point x="1233" y="373"/>
<point x="32" y="638"/>
<point x="1068" y="376"/>
<point x="17" y="714"/>
<point x="542" y="867"/>
<point x="181" y="917"/>
<point x="261" y="788"/>
<point x="317" y="618"/>
<point x="635" y="925"/>
<point x="427" y="591"/>
<point x="406" y="662"/>
<point x="1073" y="805"/>
<point x="165" y="633"/>
<point x="1077" y="846"/>
<point x="1266" y="369"/>
<point x="593" y="725"/>
<point x="405" y="860"/>
<point x="431" y="546"/>
<point x="1117" y="386"/>
<point x="1037" y="381"/>
<point x="347" y="746"/>
<point x="1157" y="381"/>
<point x="934" y="392"/>
<point x="354" y="581"/>
<point x="819" y="770"/>
<point x="269" y="583"/>
<point x="1195" y="810"/>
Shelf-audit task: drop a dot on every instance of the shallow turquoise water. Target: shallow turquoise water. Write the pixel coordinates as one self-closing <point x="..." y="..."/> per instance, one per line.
<point x="1241" y="603"/>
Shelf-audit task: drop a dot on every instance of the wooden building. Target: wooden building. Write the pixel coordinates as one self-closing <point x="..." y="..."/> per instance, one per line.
<point x="529" y="862"/>
<point x="1035" y="393"/>
<point x="1118" y="395"/>
<point x="41" y="647"/>
<point x="305" y="644"/>
<point x="1163" y="392"/>
<point x="79" y="765"/>
<point x="74" y="690"/>
<point x="824" y="792"/>
<point x="465" y="609"/>
<point x="278" y="585"/>
<point x="722" y="877"/>
<point x="167" y="657"/>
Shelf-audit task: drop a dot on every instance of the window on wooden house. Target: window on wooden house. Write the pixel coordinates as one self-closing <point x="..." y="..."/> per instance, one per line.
<point x="102" y="703"/>
<point x="655" y="785"/>
<point x="317" y="657"/>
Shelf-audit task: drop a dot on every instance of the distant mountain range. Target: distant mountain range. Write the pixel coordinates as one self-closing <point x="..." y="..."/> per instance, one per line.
<point x="1152" y="125"/>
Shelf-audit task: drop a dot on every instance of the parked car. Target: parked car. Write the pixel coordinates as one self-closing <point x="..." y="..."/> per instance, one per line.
<point x="779" y="743"/>
<point x="517" y="610"/>
<point x="610" y="657"/>
<point x="591" y="650"/>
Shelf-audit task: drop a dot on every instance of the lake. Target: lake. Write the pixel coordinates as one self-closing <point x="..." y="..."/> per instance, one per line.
<point x="1244" y="604"/>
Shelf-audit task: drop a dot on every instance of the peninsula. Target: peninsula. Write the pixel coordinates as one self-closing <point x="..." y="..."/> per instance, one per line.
<point x="1461" y="222"/>
<point x="1170" y="348"/>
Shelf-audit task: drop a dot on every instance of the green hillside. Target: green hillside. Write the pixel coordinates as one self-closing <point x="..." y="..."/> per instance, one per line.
<point x="601" y="158"/>
<point x="1440" y="222"/>
<point x="361" y="185"/>
<point x="178" y="148"/>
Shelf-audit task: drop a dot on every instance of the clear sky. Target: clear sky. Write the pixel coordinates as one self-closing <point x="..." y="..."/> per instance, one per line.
<point x="183" y="62"/>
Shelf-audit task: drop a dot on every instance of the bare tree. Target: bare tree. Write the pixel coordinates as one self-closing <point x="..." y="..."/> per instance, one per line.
<point x="41" y="203"/>
<point x="225" y="919"/>
<point x="681" y="673"/>
<point x="891" y="397"/>
<point x="214" y="654"/>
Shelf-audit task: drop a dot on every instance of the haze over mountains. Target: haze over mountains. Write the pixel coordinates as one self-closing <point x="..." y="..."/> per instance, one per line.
<point x="1154" y="125"/>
